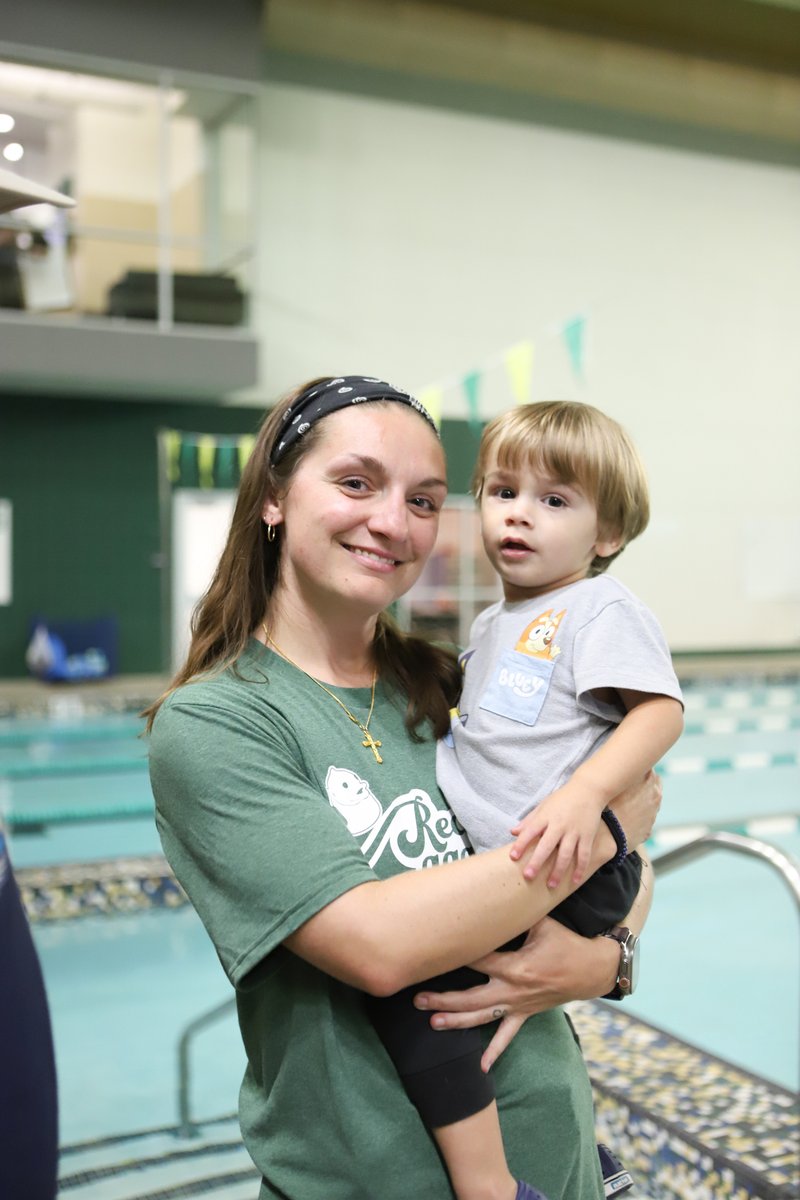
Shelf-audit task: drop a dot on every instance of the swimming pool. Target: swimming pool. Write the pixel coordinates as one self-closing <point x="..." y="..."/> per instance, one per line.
<point x="121" y="988"/>
<point x="76" y="790"/>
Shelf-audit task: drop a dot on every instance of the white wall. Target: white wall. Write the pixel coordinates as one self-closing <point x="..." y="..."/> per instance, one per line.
<point x="419" y="243"/>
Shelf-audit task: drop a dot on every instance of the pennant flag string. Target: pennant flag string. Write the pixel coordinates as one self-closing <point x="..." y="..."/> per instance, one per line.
<point x="205" y="460"/>
<point x="573" y="333"/>
<point x="519" y="364"/>
<point x="518" y="361"/>
<point x="172" y="446"/>
<point x="206" y="449"/>
<point x="431" y="399"/>
<point x="244" y="446"/>
<point x="471" y="384"/>
<point x="210" y="460"/>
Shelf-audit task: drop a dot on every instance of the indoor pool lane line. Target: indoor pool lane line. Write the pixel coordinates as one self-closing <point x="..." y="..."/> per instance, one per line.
<point x="51" y="732"/>
<point x="75" y="766"/>
<point x="738" y="699"/>
<point x="758" y="827"/>
<point x="212" y="1185"/>
<point x="755" y="760"/>
<point x="154" y="1134"/>
<point x="776" y="722"/>
<point x="184" y="1152"/>
<point x="21" y="822"/>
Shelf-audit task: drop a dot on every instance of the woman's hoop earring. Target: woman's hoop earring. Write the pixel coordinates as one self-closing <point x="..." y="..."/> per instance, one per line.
<point x="271" y="533"/>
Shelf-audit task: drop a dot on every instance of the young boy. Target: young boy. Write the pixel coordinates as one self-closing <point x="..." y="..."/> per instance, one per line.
<point x="569" y="697"/>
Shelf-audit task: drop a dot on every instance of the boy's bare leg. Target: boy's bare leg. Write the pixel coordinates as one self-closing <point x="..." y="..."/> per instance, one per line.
<point x="475" y="1159"/>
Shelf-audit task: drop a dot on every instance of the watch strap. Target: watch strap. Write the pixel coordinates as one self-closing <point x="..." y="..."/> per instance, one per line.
<point x="626" y="940"/>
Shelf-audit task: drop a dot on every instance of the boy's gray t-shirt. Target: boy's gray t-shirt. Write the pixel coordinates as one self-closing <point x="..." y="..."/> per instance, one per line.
<point x="529" y="714"/>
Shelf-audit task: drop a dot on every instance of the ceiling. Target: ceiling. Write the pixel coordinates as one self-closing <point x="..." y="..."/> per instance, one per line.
<point x="727" y="71"/>
<point x="759" y="33"/>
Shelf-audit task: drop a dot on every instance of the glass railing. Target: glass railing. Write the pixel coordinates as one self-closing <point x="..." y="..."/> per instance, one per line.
<point x="163" y="174"/>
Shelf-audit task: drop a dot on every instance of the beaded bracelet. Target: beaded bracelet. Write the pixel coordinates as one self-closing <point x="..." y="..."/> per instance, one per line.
<point x="618" y="834"/>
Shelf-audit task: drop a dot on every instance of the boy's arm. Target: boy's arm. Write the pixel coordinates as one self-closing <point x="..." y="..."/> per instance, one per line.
<point x="553" y="967"/>
<point x="568" y="819"/>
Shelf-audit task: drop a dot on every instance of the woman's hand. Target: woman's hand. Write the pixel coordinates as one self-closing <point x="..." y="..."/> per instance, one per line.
<point x="637" y="808"/>
<point x="553" y="966"/>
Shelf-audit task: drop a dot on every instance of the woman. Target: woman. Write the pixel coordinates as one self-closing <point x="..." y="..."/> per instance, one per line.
<point x="293" y="768"/>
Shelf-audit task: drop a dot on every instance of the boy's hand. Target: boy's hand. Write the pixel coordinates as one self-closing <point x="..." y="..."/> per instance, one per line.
<point x="567" y="821"/>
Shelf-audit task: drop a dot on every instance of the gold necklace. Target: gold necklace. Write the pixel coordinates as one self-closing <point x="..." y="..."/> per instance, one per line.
<point x="370" y="742"/>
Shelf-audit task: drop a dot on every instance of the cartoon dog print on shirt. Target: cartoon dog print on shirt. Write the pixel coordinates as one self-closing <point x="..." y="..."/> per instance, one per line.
<point x="537" y="639"/>
<point x="520" y="678"/>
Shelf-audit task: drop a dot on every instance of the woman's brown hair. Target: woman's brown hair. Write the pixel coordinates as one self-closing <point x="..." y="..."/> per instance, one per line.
<point x="426" y="675"/>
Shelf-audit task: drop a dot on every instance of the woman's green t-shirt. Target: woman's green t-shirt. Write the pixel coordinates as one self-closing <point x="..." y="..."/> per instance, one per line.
<point x="269" y="807"/>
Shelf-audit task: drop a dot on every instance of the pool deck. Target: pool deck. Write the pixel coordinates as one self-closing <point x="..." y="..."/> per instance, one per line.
<point x="31" y="697"/>
<point x="128" y="692"/>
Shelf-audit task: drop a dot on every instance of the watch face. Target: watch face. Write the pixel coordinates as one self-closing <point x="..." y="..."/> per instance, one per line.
<point x="628" y="970"/>
<point x="633" y="963"/>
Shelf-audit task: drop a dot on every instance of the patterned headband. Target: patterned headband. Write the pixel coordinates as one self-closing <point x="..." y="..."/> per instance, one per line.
<point x="329" y="396"/>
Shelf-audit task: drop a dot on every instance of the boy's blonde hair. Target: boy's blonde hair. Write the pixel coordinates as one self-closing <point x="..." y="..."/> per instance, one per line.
<point x="573" y="443"/>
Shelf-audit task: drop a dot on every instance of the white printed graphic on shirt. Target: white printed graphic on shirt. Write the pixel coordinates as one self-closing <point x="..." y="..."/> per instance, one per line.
<point x="521" y="683"/>
<point x="412" y="829"/>
<point x="352" y="797"/>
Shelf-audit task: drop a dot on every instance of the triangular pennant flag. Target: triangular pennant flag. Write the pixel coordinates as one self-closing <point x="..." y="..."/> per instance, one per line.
<point x="206" y="448"/>
<point x="573" y="333"/>
<point x="431" y="399"/>
<point x="471" y="383"/>
<point x="187" y="462"/>
<point x="245" y="448"/>
<point x="172" y="447"/>
<point x="226" y="464"/>
<point x="519" y="364"/>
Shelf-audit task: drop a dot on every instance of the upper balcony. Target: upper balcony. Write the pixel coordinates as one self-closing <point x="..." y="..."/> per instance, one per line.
<point x="145" y="288"/>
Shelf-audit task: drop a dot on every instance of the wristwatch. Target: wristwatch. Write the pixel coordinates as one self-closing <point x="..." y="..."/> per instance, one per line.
<point x="628" y="970"/>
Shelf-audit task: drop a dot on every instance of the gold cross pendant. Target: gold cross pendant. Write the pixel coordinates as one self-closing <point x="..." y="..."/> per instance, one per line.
<point x="372" y="744"/>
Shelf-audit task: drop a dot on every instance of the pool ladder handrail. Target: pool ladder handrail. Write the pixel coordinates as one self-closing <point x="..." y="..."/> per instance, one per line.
<point x="187" y="1127"/>
<point x="699" y="847"/>
<point x="738" y="843"/>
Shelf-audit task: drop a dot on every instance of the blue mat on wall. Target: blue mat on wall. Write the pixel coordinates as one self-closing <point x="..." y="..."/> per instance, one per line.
<point x="73" y="650"/>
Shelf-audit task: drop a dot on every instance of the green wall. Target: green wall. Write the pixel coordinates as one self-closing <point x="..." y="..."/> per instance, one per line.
<point x="82" y="476"/>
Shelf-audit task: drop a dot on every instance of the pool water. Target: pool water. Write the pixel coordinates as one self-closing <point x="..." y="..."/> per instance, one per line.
<point x="720" y="962"/>
<point x="121" y="989"/>
<point x="75" y="791"/>
<point x="720" y="958"/>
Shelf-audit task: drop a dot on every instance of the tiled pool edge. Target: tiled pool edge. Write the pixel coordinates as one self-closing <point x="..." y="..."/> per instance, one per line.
<point x="693" y="1126"/>
<point x="118" y="885"/>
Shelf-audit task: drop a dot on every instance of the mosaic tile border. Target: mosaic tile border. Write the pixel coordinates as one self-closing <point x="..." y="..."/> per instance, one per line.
<point x="62" y="891"/>
<point x="693" y="1125"/>
<point x="120" y="885"/>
